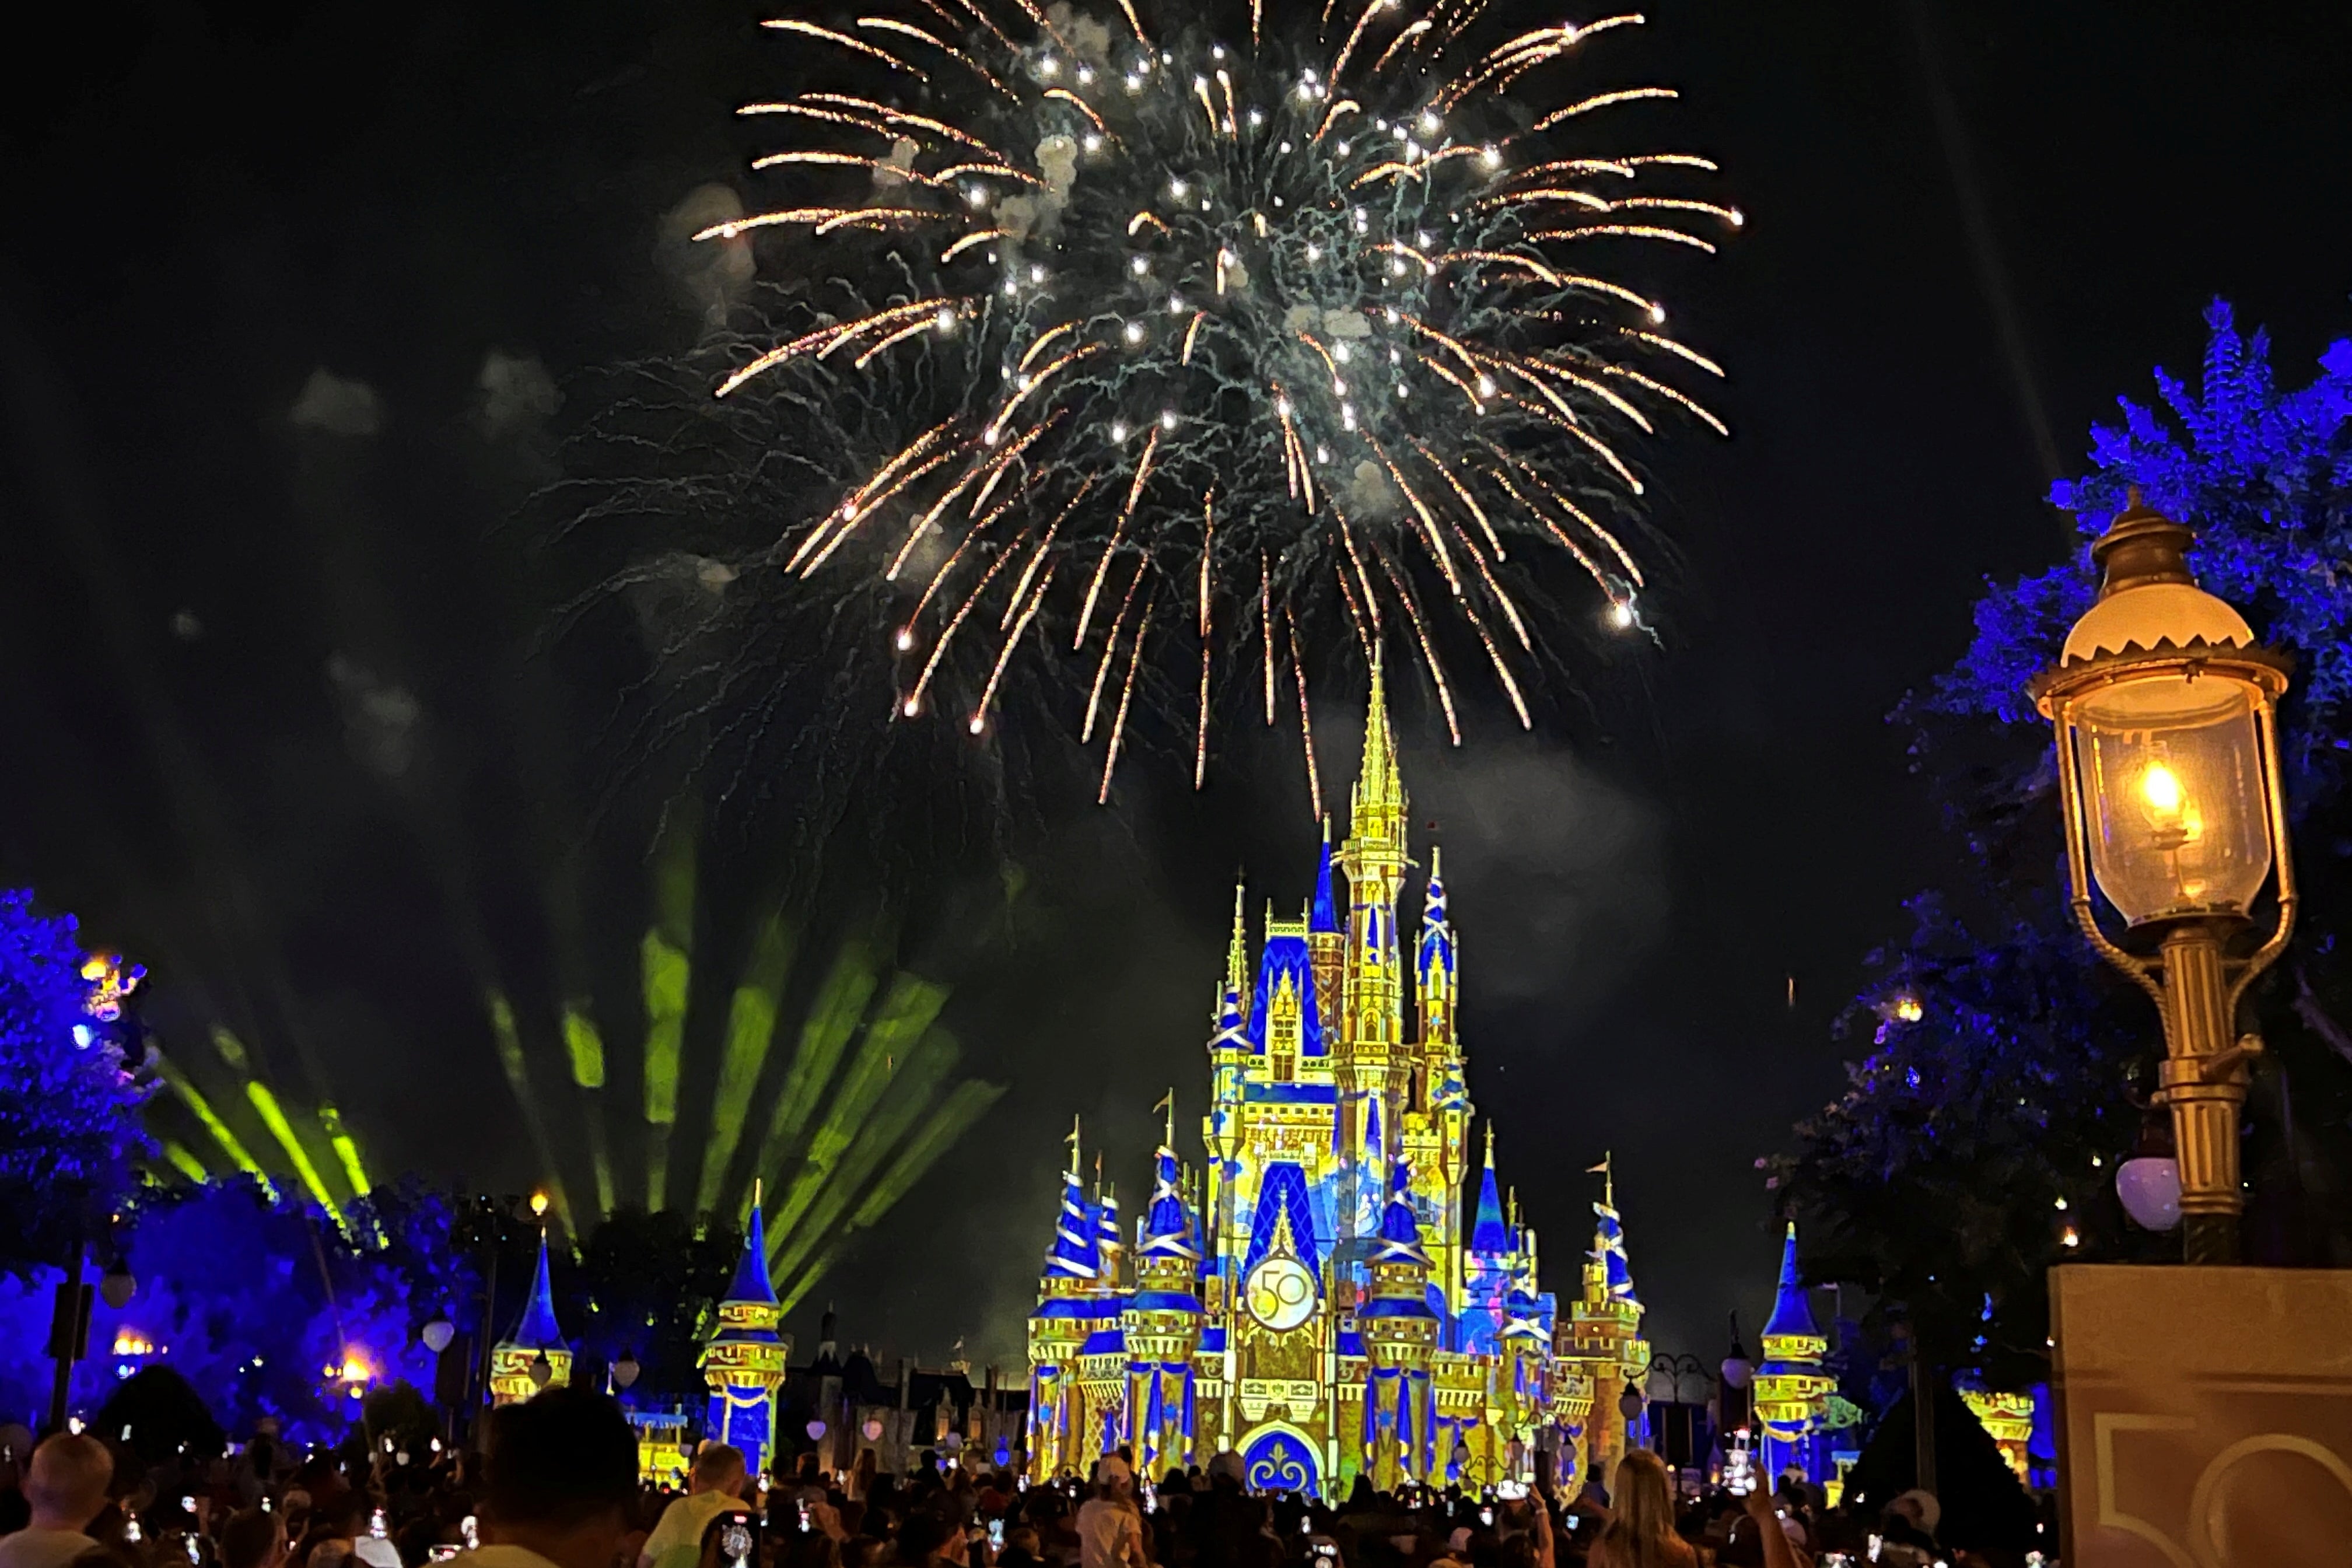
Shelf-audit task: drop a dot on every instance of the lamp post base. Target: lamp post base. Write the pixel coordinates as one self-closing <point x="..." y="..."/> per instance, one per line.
<point x="2210" y="1239"/>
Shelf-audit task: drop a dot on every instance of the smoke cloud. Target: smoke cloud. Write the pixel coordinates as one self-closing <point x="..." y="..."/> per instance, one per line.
<point x="337" y="406"/>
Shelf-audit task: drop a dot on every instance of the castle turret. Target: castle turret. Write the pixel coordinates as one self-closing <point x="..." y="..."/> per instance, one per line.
<point x="1492" y="1264"/>
<point x="1435" y="973"/>
<point x="533" y="1356"/>
<point x="745" y="1359"/>
<point x="1163" y="1320"/>
<point x="1601" y="1349"/>
<point x="1791" y="1390"/>
<point x="1399" y="1330"/>
<point x="1069" y="1303"/>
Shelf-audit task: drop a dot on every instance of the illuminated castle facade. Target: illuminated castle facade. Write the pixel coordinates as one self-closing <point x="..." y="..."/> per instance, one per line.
<point x="1331" y="1297"/>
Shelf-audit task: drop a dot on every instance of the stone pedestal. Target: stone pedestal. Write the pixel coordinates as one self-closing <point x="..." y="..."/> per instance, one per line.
<point x="2204" y="1415"/>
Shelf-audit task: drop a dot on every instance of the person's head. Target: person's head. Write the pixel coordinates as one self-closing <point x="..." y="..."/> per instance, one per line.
<point x="253" y="1539"/>
<point x="1225" y="1471"/>
<point x="561" y="1473"/>
<point x="1022" y="1537"/>
<point x="921" y="1539"/>
<point x="1114" y="1478"/>
<point x="1643" y="1499"/>
<point x="718" y="1469"/>
<point x="68" y="1480"/>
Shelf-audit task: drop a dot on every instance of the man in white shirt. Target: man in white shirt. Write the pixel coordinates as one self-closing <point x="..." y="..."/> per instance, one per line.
<point x="561" y="1478"/>
<point x="715" y="1485"/>
<point x="65" y="1485"/>
<point x="1110" y="1529"/>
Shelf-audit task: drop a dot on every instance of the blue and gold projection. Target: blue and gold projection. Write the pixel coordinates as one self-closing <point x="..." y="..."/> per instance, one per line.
<point x="1326" y="1298"/>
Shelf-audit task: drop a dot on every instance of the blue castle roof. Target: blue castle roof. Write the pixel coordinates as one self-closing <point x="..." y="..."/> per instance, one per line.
<point x="752" y="1281"/>
<point x="1608" y="1245"/>
<point x="1324" y="919"/>
<point x="1168" y="1224"/>
<point x="1489" y="1234"/>
<point x="1075" y="1255"/>
<point x="537" y="1330"/>
<point x="1436" y="933"/>
<point x="1793" y="1305"/>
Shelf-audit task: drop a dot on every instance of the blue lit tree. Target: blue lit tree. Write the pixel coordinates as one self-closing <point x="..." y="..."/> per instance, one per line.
<point x="2003" y="1057"/>
<point x="70" y="1129"/>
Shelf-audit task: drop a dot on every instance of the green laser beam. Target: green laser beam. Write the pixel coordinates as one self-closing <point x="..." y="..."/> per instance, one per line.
<point x="851" y="1143"/>
<point x="232" y="1051"/>
<point x="905" y="1013"/>
<point x="274" y="1117"/>
<point x="586" y="1044"/>
<point x="751" y="1031"/>
<point x="346" y="1150"/>
<point x="187" y="1164"/>
<point x="964" y="1105"/>
<point x="230" y="1144"/>
<point x="833" y="1018"/>
<point x="517" y="1068"/>
<point x="665" y="979"/>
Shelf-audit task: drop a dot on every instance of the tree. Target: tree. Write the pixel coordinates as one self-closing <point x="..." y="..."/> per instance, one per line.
<point x="2005" y="1058"/>
<point x="69" y="1128"/>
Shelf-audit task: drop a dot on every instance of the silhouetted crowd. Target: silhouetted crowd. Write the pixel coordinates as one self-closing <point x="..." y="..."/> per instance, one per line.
<point x="558" y="1486"/>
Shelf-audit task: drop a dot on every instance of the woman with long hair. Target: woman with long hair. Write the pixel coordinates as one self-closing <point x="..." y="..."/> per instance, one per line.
<point x="1641" y="1531"/>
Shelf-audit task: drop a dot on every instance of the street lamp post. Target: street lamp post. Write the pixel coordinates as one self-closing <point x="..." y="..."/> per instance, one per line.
<point x="2166" y="712"/>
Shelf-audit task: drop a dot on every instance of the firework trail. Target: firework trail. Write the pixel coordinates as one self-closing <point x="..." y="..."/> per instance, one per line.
<point x="1311" y="315"/>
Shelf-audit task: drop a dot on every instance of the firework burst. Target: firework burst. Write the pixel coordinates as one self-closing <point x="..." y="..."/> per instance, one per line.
<point x="1162" y="343"/>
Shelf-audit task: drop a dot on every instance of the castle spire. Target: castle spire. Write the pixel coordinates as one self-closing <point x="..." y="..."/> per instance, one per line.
<point x="1237" y="949"/>
<point x="1380" y="793"/>
<point x="537" y="1328"/>
<point x="1793" y="1305"/>
<point x="1489" y="1234"/>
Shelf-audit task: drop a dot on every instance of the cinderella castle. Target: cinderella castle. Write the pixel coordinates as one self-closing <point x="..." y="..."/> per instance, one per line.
<point x="1325" y="1297"/>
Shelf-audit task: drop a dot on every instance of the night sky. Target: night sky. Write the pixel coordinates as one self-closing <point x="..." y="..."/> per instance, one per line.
<point x="290" y="715"/>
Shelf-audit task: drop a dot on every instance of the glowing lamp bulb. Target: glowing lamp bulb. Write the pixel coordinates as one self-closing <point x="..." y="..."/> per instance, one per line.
<point x="538" y="1204"/>
<point x="2159" y="786"/>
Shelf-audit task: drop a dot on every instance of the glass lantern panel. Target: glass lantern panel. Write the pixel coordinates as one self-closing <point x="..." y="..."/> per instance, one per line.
<point x="2175" y="794"/>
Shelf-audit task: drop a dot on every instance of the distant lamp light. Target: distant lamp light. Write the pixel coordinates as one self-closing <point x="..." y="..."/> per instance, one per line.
<point x="626" y="1371"/>
<point x="1629" y="1405"/>
<point x="539" y="1205"/>
<point x="439" y="1334"/>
